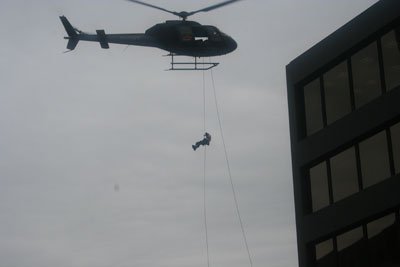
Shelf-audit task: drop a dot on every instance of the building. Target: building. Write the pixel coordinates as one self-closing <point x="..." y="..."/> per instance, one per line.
<point x="344" y="111"/>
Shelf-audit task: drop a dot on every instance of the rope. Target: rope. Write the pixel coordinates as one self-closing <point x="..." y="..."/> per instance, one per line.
<point x="204" y="100"/>
<point x="229" y="171"/>
<point x="204" y="171"/>
<point x="205" y="207"/>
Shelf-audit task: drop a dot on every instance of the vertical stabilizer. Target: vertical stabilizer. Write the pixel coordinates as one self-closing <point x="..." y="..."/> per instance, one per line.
<point x="72" y="33"/>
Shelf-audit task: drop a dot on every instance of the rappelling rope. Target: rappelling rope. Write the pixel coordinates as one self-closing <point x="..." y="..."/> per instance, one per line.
<point x="204" y="170"/>
<point x="229" y="170"/>
<point x="204" y="100"/>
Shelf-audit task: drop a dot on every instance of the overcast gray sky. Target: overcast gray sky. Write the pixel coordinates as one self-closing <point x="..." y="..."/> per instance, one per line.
<point x="72" y="126"/>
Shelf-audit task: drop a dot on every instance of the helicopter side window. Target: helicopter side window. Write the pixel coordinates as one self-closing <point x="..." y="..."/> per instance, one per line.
<point x="200" y="34"/>
<point x="185" y="34"/>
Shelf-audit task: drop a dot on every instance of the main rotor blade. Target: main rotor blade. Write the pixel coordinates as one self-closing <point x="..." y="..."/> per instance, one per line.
<point x="206" y="9"/>
<point x="153" y="6"/>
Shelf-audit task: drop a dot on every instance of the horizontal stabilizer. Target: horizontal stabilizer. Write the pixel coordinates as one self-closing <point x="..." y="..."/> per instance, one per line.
<point x="101" y="34"/>
<point x="72" y="44"/>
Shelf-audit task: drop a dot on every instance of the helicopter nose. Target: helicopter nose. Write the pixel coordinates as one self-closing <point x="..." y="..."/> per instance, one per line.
<point x="232" y="45"/>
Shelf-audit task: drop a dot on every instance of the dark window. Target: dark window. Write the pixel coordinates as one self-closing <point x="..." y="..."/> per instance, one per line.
<point x="337" y="93"/>
<point x="199" y="31"/>
<point x="352" y="249"/>
<point x="185" y="33"/>
<point x="319" y="186"/>
<point x="213" y="33"/>
<point x="395" y="133"/>
<point x="391" y="58"/>
<point x="349" y="238"/>
<point x="324" y="254"/>
<point x="374" y="228"/>
<point x="344" y="174"/>
<point x="374" y="157"/>
<point x="384" y="242"/>
<point x="366" y="78"/>
<point x="324" y="248"/>
<point x="313" y="107"/>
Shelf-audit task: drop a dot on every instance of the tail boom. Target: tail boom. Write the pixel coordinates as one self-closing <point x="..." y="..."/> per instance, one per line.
<point x="74" y="36"/>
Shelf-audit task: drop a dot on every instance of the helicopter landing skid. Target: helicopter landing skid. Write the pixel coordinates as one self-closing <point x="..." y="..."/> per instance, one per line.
<point x="190" y="65"/>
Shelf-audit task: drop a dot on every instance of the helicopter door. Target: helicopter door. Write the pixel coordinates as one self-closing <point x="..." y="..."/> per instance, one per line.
<point x="200" y="34"/>
<point x="185" y="34"/>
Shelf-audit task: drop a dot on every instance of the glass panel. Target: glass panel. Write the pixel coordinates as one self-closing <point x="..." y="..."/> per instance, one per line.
<point x="374" y="157"/>
<point x="324" y="248"/>
<point x="337" y="93"/>
<point x="376" y="227"/>
<point x="366" y="77"/>
<point x="395" y="132"/>
<point x="319" y="186"/>
<point x="391" y="58"/>
<point x="344" y="174"/>
<point x="313" y="107"/>
<point x="352" y="249"/>
<point x="383" y="243"/>
<point x="349" y="238"/>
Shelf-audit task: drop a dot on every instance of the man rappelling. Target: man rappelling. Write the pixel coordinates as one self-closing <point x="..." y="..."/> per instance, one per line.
<point x="206" y="141"/>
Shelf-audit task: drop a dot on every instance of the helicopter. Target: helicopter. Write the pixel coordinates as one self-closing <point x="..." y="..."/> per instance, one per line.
<point x="178" y="37"/>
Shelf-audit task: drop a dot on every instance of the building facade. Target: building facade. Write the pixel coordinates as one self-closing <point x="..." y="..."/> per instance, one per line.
<point x="344" y="112"/>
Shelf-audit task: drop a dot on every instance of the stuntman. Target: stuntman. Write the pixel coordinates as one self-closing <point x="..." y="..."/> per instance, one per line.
<point x="206" y="141"/>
